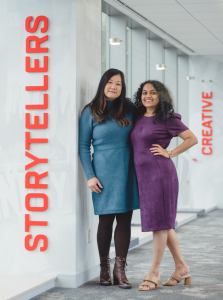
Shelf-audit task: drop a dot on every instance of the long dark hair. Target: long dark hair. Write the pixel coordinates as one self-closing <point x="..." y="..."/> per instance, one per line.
<point x="120" y="107"/>
<point x="165" y="107"/>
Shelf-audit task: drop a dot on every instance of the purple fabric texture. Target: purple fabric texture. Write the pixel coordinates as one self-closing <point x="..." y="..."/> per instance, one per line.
<point x="156" y="174"/>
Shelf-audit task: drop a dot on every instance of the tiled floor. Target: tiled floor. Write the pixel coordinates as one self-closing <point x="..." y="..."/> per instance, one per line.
<point x="202" y="245"/>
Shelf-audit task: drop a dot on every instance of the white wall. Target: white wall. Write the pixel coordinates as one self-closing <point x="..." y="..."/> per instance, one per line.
<point x="70" y="211"/>
<point x="118" y="53"/>
<point x="206" y="175"/>
<point x="88" y="77"/>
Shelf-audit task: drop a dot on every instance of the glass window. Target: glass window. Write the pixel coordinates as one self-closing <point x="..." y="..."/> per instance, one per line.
<point x="104" y="43"/>
<point x="147" y="59"/>
<point x="129" y="63"/>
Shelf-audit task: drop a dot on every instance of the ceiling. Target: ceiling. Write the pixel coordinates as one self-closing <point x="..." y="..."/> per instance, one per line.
<point x="198" y="24"/>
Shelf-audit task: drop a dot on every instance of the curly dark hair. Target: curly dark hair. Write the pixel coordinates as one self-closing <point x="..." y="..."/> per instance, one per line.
<point x="165" y="106"/>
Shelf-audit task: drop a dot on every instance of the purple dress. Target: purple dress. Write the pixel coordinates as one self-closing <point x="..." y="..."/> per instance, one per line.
<point x="156" y="174"/>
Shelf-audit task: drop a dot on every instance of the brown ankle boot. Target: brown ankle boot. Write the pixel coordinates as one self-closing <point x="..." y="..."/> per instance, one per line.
<point x="119" y="275"/>
<point x="105" y="274"/>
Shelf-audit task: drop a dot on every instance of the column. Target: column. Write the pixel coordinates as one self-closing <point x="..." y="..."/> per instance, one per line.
<point x="138" y="58"/>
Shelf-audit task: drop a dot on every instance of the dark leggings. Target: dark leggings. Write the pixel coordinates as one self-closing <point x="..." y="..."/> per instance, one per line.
<point x="122" y="233"/>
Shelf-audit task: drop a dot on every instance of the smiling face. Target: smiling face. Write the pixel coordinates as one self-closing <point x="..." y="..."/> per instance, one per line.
<point x="150" y="97"/>
<point x="113" y="88"/>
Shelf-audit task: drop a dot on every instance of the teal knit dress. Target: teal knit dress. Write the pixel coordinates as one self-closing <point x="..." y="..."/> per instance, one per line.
<point x="112" y="163"/>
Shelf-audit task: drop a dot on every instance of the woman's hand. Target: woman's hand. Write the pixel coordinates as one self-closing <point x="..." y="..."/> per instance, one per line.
<point x="94" y="185"/>
<point x="158" y="150"/>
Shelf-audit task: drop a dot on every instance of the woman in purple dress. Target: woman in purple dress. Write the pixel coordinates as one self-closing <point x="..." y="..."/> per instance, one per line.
<point x="156" y="124"/>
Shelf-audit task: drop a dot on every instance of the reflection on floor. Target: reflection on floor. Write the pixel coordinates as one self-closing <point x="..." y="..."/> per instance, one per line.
<point x="201" y="243"/>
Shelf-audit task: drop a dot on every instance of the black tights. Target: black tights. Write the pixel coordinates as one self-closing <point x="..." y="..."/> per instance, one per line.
<point x="122" y="233"/>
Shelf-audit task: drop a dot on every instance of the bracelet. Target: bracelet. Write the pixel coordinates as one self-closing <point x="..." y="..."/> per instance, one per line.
<point x="169" y="153"/>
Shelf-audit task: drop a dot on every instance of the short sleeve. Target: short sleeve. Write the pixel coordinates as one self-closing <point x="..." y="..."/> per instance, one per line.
<point x="175" y="126"/>
<point x="85" y="137"/>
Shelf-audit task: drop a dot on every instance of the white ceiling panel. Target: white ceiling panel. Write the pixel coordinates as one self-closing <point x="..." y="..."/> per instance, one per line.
<point x="197" y="24"/>
<point x="179" y="24"/>
<point x="217" y="23"/>
<point x="204" y="7"/>
<point x="216" y="29"/>
<point x="148" y="2"/>
<point x="199" y="1"/>
<point x="218" y="57"/>
<point x="207" y="47"/>
<point x="209" y="51"/>
<point x="169" y="17"/>
<point x="193" y="35"/>
<point x="183" y="30"/>
<point x="195" y="41"/>
<point x="217" y="15"/>
<point x="157" y="9"/>
<point x="219" y="36"/>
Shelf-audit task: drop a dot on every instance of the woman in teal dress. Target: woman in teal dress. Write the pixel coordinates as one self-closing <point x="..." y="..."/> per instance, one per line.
<point x="106" y="123"/>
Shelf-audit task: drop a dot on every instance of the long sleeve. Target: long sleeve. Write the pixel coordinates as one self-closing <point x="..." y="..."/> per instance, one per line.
<point x="85" y="137"/>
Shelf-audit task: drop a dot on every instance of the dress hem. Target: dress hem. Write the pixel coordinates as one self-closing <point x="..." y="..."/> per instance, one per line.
<point x="158" y="229"/>
<point x="117" y="211"/>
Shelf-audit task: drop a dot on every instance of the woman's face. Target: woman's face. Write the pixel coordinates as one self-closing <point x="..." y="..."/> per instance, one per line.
<point x="113" y="88"/>
<point x="150" y="97"/>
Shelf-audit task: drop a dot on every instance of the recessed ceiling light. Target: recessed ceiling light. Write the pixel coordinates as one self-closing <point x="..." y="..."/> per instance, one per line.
<point x="115" y="41"/>
<point x="160" y="67"/>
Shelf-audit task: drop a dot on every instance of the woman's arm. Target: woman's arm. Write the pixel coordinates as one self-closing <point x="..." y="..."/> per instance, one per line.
<point x="189" y="141"/>
<point x="85" y="137"/>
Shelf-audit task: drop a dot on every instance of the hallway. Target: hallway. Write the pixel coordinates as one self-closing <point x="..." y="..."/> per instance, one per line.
<point x="201" y="243"/>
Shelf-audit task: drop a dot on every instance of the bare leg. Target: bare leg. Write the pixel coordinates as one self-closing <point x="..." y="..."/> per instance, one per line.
<point x="159" y="244"/>
<point x="181" y="267"/>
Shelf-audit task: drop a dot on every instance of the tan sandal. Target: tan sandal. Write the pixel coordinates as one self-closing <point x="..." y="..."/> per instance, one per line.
<point x="147" y="279"/>
<point x="178" y="278"/>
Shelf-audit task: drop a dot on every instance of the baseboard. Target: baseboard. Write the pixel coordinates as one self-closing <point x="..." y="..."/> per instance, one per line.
<point x="210" y="209"/>
<point x="199" y="211"/>
<point x="145" y="240"/>
<point x="75" y="280"/>
<point x="178" y="224"/>
<point x="36" y="291"/>
<point x="133" y="242"/>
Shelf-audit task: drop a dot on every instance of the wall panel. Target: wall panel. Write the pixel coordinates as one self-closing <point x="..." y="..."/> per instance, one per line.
<point x="70" y="211"/>
<point x="206" y="174"/>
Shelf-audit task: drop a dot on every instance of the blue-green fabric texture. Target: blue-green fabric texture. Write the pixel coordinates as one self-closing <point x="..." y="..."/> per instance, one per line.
<point x="112" y="164"/>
